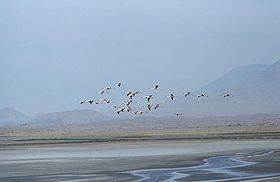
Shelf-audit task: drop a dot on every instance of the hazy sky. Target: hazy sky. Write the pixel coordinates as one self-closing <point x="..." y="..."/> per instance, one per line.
<point x="55" y="52"/>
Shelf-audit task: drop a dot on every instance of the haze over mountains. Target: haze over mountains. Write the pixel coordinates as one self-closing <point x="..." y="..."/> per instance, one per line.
<point x="255" y="89"/>
<point x="234" y="78"/>
<point x="11" y="116"/>
<point x="74" y="117"/>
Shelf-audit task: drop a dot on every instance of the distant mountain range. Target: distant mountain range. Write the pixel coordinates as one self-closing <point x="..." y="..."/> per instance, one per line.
<point x="11" y="116"/>
<point x="234" y="79"/>
<point x="74" y="117"/>
<point x="264" y="83"/>
<point x="255" y="90"/>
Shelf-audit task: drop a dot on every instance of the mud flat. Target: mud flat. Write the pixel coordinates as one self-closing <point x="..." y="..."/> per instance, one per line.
<point x="207" y="160"/>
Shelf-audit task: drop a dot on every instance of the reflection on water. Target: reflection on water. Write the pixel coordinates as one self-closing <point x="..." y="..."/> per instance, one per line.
<point x="214" y="169"/>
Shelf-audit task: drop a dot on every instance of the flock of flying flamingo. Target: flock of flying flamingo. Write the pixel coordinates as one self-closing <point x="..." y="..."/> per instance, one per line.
<point x="131" y="94"/>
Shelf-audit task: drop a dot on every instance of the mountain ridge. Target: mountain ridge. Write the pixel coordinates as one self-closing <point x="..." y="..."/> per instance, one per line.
<point x="234" y="78"/>
<point x="257" y="92"/>
<point x="11" y="116"/>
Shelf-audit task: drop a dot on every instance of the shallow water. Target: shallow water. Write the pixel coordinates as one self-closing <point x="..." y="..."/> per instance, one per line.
<point x="214" y="169"/>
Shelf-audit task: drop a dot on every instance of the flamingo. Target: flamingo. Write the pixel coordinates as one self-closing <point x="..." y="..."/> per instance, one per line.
<point x="157" y="106"/>
<point x="102" y="92"/>
<point x="128" y="109"/>
<point x="156" y="87"/>
<point x="187" y="94"/>
<point x="134" y="93"/>
<point x="202" y="95"/>
<point x="171" y="96"/>
<point x="149" y="107"/>
<point x="90" y="101"/>
<point x="108" y="88"/>
<point x="105" y="100"/>
<point x="128" y="93"/>
<point x="120" y="110"/>
<point x="119" y="84"/>
<point x="129" y="102"/>
<point x="149" y="97"/>
<point x="82" y="101"/>
<point x="227" y="95"/>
